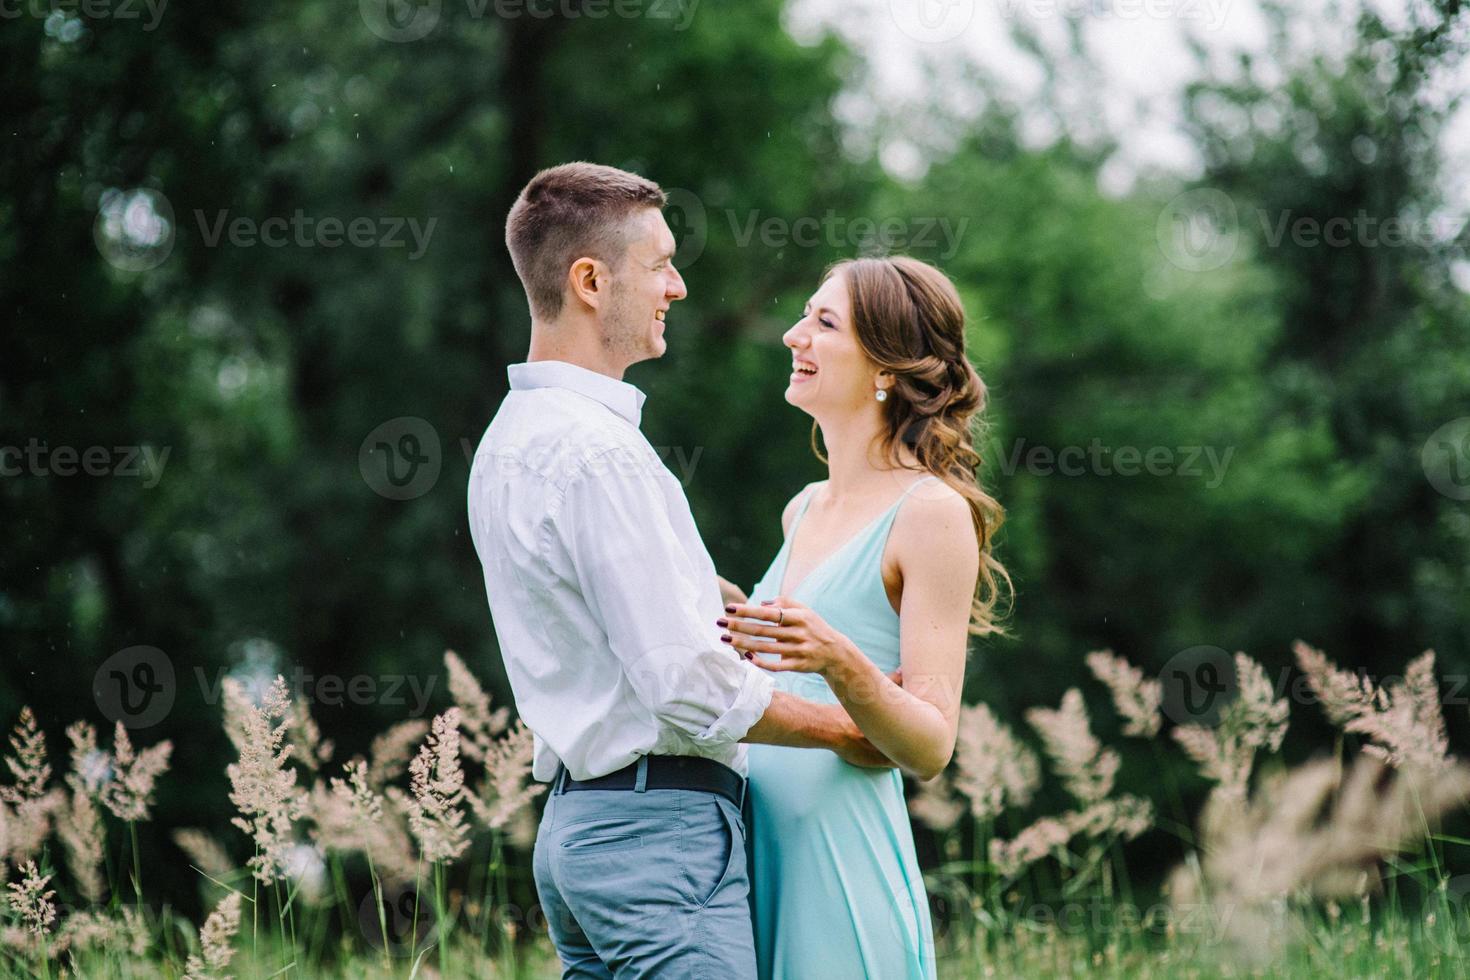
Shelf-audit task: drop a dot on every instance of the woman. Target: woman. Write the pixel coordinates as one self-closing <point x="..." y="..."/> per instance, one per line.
<point x="885" y="571"/>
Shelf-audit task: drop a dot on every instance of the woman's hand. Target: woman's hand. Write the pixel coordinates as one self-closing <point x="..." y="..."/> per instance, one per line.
<point x="785" y="627"/>
<point x="730" y="593"/>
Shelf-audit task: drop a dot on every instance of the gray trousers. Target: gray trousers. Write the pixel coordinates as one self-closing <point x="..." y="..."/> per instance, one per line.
<point x="645" y="884"/>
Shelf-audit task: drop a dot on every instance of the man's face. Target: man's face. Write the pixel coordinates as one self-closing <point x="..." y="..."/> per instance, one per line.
<point x="644" y="285"/>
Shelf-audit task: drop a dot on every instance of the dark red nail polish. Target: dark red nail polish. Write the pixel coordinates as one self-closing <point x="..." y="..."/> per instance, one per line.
<point x="729" y="609"/>
<point x="722" y="623"/>
<point x="725" y="638"/>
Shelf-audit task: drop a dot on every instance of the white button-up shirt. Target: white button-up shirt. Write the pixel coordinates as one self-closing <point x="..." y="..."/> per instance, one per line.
<point x="603" y="596"/>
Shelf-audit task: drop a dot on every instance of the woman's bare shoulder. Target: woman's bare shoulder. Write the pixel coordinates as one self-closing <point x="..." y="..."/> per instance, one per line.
<point x="936" y="524"/>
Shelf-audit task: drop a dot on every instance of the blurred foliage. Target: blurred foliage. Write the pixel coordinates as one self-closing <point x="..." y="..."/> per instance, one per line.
<point x="1321" y="371"/>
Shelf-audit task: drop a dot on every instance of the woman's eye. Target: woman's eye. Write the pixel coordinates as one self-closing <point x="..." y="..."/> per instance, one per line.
<point x="829" y="324"/>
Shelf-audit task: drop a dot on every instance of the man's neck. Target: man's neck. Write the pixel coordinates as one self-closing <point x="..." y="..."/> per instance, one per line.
<point x="554" y="341"/>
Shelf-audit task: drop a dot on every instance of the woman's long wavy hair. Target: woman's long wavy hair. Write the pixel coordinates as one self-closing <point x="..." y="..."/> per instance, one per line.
<point x="910" y="322"/>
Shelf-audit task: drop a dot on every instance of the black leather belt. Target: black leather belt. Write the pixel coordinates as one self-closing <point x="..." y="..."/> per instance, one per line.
<point x="666" y="772"/>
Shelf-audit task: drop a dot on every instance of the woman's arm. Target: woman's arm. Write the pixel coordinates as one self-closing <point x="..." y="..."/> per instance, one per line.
<point x="914" y="725"/>
<point x="730" y="592"/>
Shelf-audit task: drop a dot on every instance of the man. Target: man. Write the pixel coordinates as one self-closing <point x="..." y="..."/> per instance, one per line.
<point x="604" y="601"/>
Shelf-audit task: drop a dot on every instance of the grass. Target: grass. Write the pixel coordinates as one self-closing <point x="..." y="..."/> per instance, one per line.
<point x="1332" y="869"/>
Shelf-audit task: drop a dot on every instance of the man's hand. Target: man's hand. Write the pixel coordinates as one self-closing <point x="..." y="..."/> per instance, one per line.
<point x="730" y="592"/>
<point x="860" y="752"/>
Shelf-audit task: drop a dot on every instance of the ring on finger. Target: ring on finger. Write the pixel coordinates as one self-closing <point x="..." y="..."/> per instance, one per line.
<point x="780" y="617"/>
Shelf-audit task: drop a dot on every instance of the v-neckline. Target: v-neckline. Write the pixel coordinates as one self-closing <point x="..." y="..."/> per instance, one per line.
<point x="791" y="542"/>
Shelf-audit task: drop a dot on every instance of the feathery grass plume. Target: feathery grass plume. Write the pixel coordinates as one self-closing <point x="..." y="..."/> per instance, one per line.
<point x="507" y="787"/>
<point x="349" y="815"/>
<point x="203" y="851"/>
<point x="129" y="793"/>
<point x="479" y="724"/>
<point x="80" y="830"/>
<point x="1409" y="732"/>
<point x="391" y="751"/>
<point x="31" y="799"/>
<point x="216" y="947"/>
<point x="91" y="767"/>
<point x="436" y="815"/>
<point x="1137" y="699"/>
<point x="311" y="751"/>
<point x="935" y="804"/>
<point x="1253" y="720"/>
<point x="1126" y="815"/>
<point x="264" y="787"/>
<point x="1343" y="695"/>
<point x="31" y="901"/>
<point x="1310" y="831"/>
<point x="993" y="769"/>
<point x="28" y="764"/>
<point x="124" y="933"/>
<point x="1047" y="835"/>
<point x="1086" y="768"/>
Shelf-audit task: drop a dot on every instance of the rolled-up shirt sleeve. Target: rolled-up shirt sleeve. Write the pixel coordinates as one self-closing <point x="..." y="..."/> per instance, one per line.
<point x="640" y="584"/>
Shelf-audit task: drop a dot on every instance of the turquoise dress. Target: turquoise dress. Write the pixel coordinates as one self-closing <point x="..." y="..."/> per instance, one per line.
<point x="836" y="892"/>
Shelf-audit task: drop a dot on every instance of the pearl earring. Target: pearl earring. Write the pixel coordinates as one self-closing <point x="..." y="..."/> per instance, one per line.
<point x="882" y="395"/>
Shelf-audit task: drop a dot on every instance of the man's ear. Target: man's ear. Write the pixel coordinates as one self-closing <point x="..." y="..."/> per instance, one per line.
<point x="589" y="279"/>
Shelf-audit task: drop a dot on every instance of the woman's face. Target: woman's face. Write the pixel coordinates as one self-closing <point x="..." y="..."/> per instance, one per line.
<point x="830" y="373"/>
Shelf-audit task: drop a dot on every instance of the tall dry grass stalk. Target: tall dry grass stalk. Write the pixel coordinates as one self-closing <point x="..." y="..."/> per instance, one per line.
<point x="436" y="808"/>
<point x="1310" y="832"/>
<point x="122" y="932"/>
<point x="502" y="751"/>
<point x="1254" y="720"/>
<point x="80" y="829"/>
<point x="391" y="751"/>
<point x="1138" y="699"/>
<point x="1404" y="723"/>
<point x="31" y="901"/>
<point x="507" y="787"/>
<point x="349" y="816"/>
<point x="1086" y="768"/>
<point x="993" y="768"/>
<point x="936" y="803"/>
<point x="204" y="851"/>
<point x="478" y="723"/>
<point x="216" y="942"/>
<point x="31" y="799"/>
<point x="128" y="795"/>
<point x="1088" y="771"/>
<point x="264" y="788"/>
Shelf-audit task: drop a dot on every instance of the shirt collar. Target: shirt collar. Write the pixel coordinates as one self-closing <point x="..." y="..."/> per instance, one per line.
<point x="621" y="397"/>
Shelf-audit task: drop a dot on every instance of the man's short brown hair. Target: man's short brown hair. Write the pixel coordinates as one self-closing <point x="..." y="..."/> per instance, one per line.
<point x="565" y="213"/>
